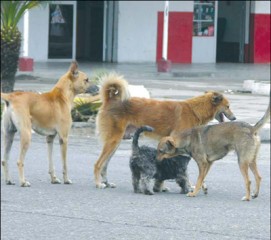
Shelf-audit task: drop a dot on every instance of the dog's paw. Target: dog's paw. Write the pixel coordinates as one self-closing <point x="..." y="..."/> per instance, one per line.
<point x="156" y="189"/>
<point x="184" y="191"/>
<point x="55" y="181"/>
<point x="25" y="184"/>
<point x="148" y="192"/>
<point x="204" y="188"/>
<point x="190" y="194"/>
<point x="255" y="195"/>
<point x="245" y="198"/>
<point x="165" y="189"/>
<point x="68" y="181"/>
<point x="9" y="182"/>
<point x="110" y="185"/>
<point x="101" y="185"/>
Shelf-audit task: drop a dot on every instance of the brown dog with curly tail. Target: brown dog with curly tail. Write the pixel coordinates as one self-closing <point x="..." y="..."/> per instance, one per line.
<point x="118" y="110"/>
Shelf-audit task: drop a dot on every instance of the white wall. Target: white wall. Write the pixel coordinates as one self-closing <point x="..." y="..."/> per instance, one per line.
<point x="261" y="7"/>
<point x="38" y="33"/>
<point x="137" y="32"/>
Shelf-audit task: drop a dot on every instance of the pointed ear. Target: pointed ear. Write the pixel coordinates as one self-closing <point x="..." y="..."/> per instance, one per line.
<point x="74" y="69"/>
<point x="217" y="98"/>
<point x="170" y="144"/>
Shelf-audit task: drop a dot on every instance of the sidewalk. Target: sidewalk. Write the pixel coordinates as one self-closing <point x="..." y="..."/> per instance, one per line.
<point x="184" y="81"/>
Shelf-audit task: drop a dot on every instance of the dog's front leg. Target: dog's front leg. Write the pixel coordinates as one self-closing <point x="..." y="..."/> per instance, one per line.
<point x="25" y="142"/>
<point x="50" y="141"/>
<point x="203" y="169"/>
<point x="63" y="141"/>
<point x="159" y="186"/>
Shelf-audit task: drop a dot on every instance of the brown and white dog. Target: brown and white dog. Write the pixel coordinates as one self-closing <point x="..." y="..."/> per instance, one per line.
<point x="48" y="114"/>
<point x="118" y="110"/>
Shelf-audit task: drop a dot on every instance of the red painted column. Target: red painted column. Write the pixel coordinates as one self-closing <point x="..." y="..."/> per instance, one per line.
<point x="179" y="37"/>
<point x="260" y="38"/>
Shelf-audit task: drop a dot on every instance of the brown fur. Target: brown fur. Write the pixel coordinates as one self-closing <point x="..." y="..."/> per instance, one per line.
<point x="166" y="117"/>
<point x="48" y="114"/>
<point x="207" y="144"/>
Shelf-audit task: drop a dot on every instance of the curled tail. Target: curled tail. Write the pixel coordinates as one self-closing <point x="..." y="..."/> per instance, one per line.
<point x="6" y="98"/>
<point x="114" y="87"/>
<point x="263" y="120"/>
<point x="136" y="136"/>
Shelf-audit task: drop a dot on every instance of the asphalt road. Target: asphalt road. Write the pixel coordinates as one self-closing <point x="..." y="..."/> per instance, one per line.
<point x="80" y="211"/>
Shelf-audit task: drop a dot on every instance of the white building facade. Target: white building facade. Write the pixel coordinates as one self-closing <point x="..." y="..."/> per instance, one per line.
<point x="131" y="31"/>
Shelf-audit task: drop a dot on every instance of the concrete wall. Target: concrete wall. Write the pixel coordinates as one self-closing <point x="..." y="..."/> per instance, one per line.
<point x="260" y="7"/>
<point x="38" y="33"/>
<point x="137" y="32"/>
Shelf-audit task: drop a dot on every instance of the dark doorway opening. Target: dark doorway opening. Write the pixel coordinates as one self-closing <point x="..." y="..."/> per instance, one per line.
<point x="231" y="31"/>
<point x="60" y="31"/>
<point x="90" y="26"/>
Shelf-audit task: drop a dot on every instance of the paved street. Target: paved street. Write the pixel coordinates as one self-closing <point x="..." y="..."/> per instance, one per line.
<point x="80" y="211"/>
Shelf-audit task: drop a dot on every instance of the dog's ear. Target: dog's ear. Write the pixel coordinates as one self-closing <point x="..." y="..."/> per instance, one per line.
<point x="170" y="144"/>
<point x="74" y="69"/>
<point x="217" y="98"/>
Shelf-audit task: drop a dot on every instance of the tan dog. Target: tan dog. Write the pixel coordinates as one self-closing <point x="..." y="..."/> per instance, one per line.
<point x="166" y="117"/>
<point x="48" y="114"/>
<point x="207" y="144"/>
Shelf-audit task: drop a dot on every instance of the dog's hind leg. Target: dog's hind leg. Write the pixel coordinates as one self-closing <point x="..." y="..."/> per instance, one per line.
<point x="244" y="170"/>
<point x="104" y="171"/>
<point x="50" y="141"/>
<point x="101" y="164"/>
<point x="254" y="169"/>
<point x="136" y="180"/>
<point x="9" y="131"/>
<point x="8" y="140"/>
<point x="258" y="178"/>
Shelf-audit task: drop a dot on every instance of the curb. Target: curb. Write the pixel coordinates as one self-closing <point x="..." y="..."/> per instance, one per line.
<point x="256" y="87"/>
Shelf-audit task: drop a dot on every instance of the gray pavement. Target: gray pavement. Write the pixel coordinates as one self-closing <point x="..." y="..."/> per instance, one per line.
<point x="80" y="211"/>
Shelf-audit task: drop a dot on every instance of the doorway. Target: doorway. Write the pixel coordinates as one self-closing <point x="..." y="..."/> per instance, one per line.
<point x="60" y="38"/>
<point x="232" y="31"/>
<point x="90" y="26"/>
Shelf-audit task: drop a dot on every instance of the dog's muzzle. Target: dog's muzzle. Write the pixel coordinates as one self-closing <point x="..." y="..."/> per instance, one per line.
<point x="93" y="90"/>
<point x="220" y="117"/>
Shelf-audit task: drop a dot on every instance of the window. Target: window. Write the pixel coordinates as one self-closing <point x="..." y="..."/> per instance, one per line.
<point x="203" y="19"/>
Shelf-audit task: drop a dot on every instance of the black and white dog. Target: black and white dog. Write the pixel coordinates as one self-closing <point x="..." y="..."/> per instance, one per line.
<point x="145" y="167"/>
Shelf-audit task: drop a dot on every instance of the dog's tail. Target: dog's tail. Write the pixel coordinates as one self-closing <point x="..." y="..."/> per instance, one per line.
<point x="6" y="98"/>
<point x="136" y="136"/>
<point x="263" y="120"/>
<point x="114" y="87"/>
